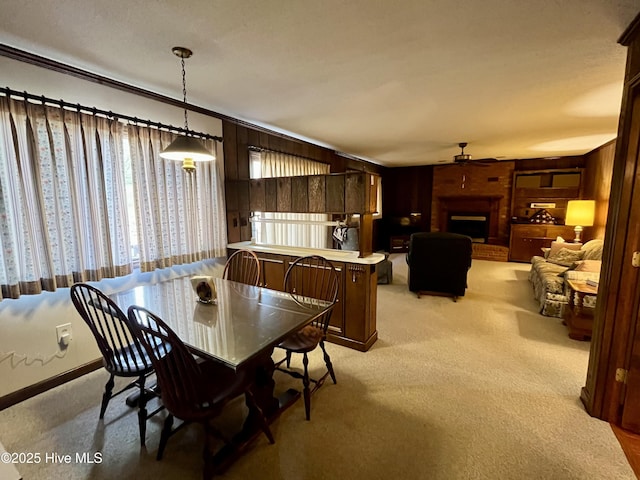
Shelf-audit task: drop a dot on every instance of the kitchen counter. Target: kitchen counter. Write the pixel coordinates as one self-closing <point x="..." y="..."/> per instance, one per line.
<point x="353" y="320"/>
<point x="348" y="256"/>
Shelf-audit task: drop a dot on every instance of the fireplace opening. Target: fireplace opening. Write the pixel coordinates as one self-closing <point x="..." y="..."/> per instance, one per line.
<point x="474" y="225"/>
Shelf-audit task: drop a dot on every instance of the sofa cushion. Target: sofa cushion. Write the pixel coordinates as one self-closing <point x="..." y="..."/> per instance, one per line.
<point x="556" y="246"/>
<point x="593" y="249"/>
<point x="566" y="257"/>
<point x="587" y="265"/>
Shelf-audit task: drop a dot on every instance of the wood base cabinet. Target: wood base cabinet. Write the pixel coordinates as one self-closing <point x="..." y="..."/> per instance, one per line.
<point x="353" y="321"/>
<point x="527" y="240"/>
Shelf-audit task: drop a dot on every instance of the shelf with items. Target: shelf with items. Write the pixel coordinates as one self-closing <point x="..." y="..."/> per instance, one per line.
<point x="552" y="189"/>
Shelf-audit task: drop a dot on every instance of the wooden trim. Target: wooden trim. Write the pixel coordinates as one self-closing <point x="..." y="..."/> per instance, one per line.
<point x="614" y="319"/>
<point x="351" y="343"/>
<point x="41" y="387"/>
<point x="630" y="32"/>
<point x="47" y="63"/>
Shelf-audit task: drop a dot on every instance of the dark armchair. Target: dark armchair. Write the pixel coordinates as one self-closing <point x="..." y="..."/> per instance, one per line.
<point x="438" y="263"/>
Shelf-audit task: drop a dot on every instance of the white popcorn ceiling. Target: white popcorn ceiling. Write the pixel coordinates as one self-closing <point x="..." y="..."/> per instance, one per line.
<point x="397" y="83"/>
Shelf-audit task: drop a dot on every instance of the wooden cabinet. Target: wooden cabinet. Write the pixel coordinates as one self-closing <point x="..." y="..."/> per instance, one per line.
<point x="272" y="270"/>
<point x="399" y="243"/>
<point x="335" y="193"/>
<point x="535" y="190"/>
<point x="527" y="240"/>
<point x="577" y="317"/>
<point x="360" y="297"/>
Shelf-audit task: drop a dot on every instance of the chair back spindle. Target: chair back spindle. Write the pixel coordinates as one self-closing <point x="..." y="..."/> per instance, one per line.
<point x="313" y="277"/>
<point x="178" y="373"/>
<point x="110" y="327"/>
<point x="243" y="266"/>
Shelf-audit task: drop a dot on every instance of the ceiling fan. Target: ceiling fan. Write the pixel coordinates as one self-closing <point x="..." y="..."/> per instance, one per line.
<point x="464" y="158"/>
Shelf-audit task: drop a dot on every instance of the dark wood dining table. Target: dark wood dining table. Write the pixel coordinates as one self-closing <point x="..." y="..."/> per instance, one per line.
<point x="239" y="330"/>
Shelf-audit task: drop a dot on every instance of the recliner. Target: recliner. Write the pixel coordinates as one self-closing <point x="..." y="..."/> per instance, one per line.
<point x="438" y="263"/>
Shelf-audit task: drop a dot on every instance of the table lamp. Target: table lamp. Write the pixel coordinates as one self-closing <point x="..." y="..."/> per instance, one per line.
<point x="580" y="213"/>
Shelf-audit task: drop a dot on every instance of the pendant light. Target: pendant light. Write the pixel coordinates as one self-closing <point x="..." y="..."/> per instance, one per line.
<point x="185" y="147"/>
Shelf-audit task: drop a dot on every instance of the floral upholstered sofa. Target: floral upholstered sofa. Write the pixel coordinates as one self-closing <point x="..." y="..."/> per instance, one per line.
<point x="564" y="261"/>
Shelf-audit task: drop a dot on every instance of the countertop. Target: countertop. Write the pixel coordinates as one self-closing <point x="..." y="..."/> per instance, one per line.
<point x="347" y="256"/>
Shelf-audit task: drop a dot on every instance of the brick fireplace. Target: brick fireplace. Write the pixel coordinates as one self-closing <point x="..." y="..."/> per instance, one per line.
<point x="470" y="191"/>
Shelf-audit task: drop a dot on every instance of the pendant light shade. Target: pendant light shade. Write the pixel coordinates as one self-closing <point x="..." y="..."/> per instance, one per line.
<point x="185" y="148"/>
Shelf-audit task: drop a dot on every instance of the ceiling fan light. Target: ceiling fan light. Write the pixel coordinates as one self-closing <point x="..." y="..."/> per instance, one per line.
<point x="187" y="147"/>
<point x="462" y="157"/>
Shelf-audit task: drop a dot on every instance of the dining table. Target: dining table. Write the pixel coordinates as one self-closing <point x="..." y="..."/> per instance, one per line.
<point x="239" y="328"/>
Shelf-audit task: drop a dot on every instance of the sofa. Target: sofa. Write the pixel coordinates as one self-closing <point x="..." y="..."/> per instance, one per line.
<point x="560" y="262"/>
<point x="438" y="263"/>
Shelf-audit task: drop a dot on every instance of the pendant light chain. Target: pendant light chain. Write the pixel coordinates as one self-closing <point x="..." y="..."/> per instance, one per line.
<point x="184" y="95"/>
<point x="186" y="148"/>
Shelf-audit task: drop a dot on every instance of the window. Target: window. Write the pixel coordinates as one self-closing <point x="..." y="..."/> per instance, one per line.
<point x="83" y="197"/>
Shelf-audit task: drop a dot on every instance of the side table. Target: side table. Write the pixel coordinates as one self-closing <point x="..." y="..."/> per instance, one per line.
<point x="577" y="317"/>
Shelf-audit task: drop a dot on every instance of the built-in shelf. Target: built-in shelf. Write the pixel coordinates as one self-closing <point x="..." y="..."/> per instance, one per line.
<point x="545" y="186"/>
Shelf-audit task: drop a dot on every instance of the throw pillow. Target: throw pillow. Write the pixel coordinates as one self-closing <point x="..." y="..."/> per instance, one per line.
<point x="588" y="265"/>
<point x="557" y="246"/>
<point x="566" y="257"/>
<point x="593" y="249"/>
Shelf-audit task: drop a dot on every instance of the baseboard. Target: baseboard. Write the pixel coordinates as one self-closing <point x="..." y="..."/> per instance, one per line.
<point x="40" y="387"/>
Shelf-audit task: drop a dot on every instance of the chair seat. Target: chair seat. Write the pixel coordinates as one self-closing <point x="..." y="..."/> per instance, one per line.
<point x="128" y="362"/>
<point x="228" y="385"/>
<point x="304" y="340"/>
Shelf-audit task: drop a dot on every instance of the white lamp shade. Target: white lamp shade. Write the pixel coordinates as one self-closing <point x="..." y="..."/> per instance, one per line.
<point x="184" y="147"/>
<point x="580" y="212"/>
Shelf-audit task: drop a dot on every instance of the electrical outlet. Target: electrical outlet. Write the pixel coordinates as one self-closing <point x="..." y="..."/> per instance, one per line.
<point x="64" y="334"/>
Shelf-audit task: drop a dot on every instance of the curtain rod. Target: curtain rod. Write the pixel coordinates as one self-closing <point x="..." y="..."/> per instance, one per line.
<point x="8" y="92"/>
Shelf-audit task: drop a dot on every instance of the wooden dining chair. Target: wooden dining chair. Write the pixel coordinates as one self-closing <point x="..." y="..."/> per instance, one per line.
<point x="243" y="266"/>
<point x="122" y="354"/>
<point x="309" y="278"/>
<point x="191" y="391"/>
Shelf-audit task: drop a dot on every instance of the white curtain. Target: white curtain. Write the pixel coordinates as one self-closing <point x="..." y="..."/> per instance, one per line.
<point x="180" y="216"/>
<point x="62" y="208"/>
<point x="267" y="164"/>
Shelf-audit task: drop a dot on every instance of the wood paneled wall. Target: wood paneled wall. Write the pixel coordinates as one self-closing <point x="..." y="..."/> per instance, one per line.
<point x="408" y="190"/>
<point x="597" y="184"/>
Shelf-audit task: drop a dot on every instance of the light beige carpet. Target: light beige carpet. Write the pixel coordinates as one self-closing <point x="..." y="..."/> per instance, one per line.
<point x="485" y="388"/>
